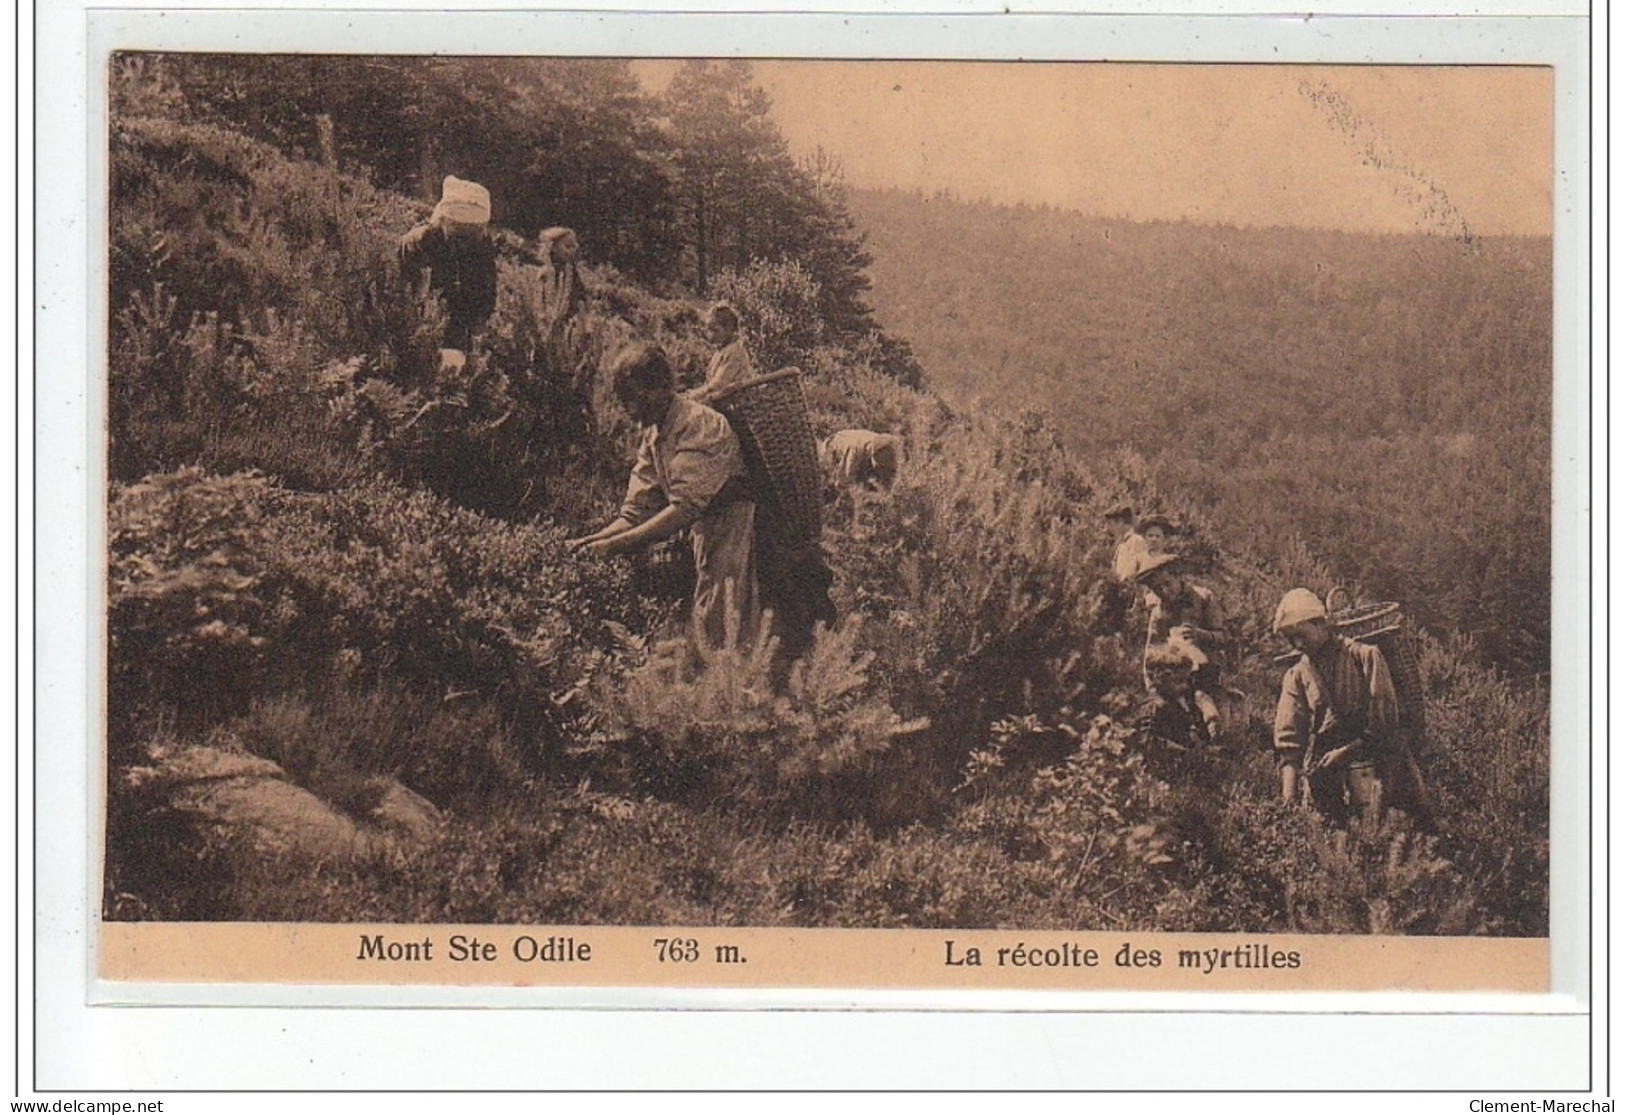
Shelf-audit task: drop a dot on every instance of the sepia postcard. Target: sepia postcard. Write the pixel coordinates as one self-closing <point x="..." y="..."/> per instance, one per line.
<point x="705" y="520"/>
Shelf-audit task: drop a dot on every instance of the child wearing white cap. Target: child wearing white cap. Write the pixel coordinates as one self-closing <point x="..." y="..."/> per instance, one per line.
<point x="1337" y="720"/>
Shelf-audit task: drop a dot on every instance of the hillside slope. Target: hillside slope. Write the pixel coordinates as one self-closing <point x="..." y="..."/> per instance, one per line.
<point x="326" y="557"/>
<point x="1385" y="399"/>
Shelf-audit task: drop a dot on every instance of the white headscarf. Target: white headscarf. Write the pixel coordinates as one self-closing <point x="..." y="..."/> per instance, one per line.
<point x="466" y="203"/>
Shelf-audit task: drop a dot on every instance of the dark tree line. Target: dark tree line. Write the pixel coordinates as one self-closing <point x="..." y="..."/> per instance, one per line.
<point x="672" y="189"/>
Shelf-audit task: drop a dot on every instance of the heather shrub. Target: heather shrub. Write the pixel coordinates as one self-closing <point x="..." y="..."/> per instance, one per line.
<point x="1487" y="758"/>
<point x="847" y="388"/>
<point x="1265" y="865"/>
<point x="562" y="857"/>
<point x="252" y="588"/>
<point x="231" y="227"/>
<point x="1080" y="798"/>
<point x="981" y="585"/>
<point x="1388" y="881"/>
<point x="916" y="878"/>
<point x="227" y="396"/>
<point x="448" y="600"/>
<point x="192" y="615"/>
<point x="237" y="279"/>
<point x="715" y="722"/>
<point x="891" y="357"/>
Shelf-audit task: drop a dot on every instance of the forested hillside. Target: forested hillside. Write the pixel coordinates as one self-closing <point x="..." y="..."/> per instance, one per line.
<point x="355" y="674"/>
<point x="1385" y="400"/>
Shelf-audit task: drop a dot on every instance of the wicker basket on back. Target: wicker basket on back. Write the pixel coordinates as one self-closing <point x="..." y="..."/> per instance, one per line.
<point x="1383" y="625"/>
<point x="769" y="414"/>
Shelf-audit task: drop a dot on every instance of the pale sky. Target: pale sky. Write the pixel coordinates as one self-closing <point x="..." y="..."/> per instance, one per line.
<point x="1390" y="148"/>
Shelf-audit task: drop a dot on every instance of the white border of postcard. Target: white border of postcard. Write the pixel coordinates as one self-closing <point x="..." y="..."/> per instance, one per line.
<point x="804" y="1039"/>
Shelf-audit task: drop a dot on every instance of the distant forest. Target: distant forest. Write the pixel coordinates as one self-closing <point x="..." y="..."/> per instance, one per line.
<point x="1384" y="399"/>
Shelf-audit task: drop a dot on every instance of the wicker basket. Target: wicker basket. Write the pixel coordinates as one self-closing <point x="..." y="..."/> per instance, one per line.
<point x="769" y="413"/>
<point x="1383" y="625"/>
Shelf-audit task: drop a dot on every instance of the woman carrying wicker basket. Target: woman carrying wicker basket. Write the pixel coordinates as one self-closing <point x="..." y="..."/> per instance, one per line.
<point x="689" y="473"/>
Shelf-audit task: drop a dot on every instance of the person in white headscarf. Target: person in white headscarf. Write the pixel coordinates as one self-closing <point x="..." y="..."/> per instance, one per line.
<point x="454" y="256"/>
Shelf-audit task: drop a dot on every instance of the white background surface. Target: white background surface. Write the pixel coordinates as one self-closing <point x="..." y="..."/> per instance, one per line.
<point x="1211" y="1042"/>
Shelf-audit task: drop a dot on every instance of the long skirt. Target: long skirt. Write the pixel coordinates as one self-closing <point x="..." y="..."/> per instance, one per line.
<point x="727" y="609"/>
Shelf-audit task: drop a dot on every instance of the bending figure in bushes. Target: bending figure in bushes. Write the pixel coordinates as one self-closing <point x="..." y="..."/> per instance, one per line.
<point x="689" y="474"/>
<point x="1185" y="621"/>
<point x="863" y="459"/>
<point x="457" y="253"/>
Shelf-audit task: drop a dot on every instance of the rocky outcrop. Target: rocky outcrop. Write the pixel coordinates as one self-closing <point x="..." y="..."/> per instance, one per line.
<point x="253" y="799"/>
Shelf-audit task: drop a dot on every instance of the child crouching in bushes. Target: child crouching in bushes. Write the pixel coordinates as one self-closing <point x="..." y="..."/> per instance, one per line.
<point x="1171" y="711"/>
<point x="1185" y="623"/>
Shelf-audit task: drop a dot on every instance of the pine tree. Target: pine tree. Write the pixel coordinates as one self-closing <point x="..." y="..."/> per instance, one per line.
<point x="728" y="154"/>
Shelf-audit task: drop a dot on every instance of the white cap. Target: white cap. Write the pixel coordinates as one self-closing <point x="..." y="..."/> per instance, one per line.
<point x="1298" y="606"/>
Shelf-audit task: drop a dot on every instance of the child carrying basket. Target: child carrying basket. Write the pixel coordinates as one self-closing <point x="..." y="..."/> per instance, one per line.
<point x="1351" y="709"/>
<point x="1383" y="625"/>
